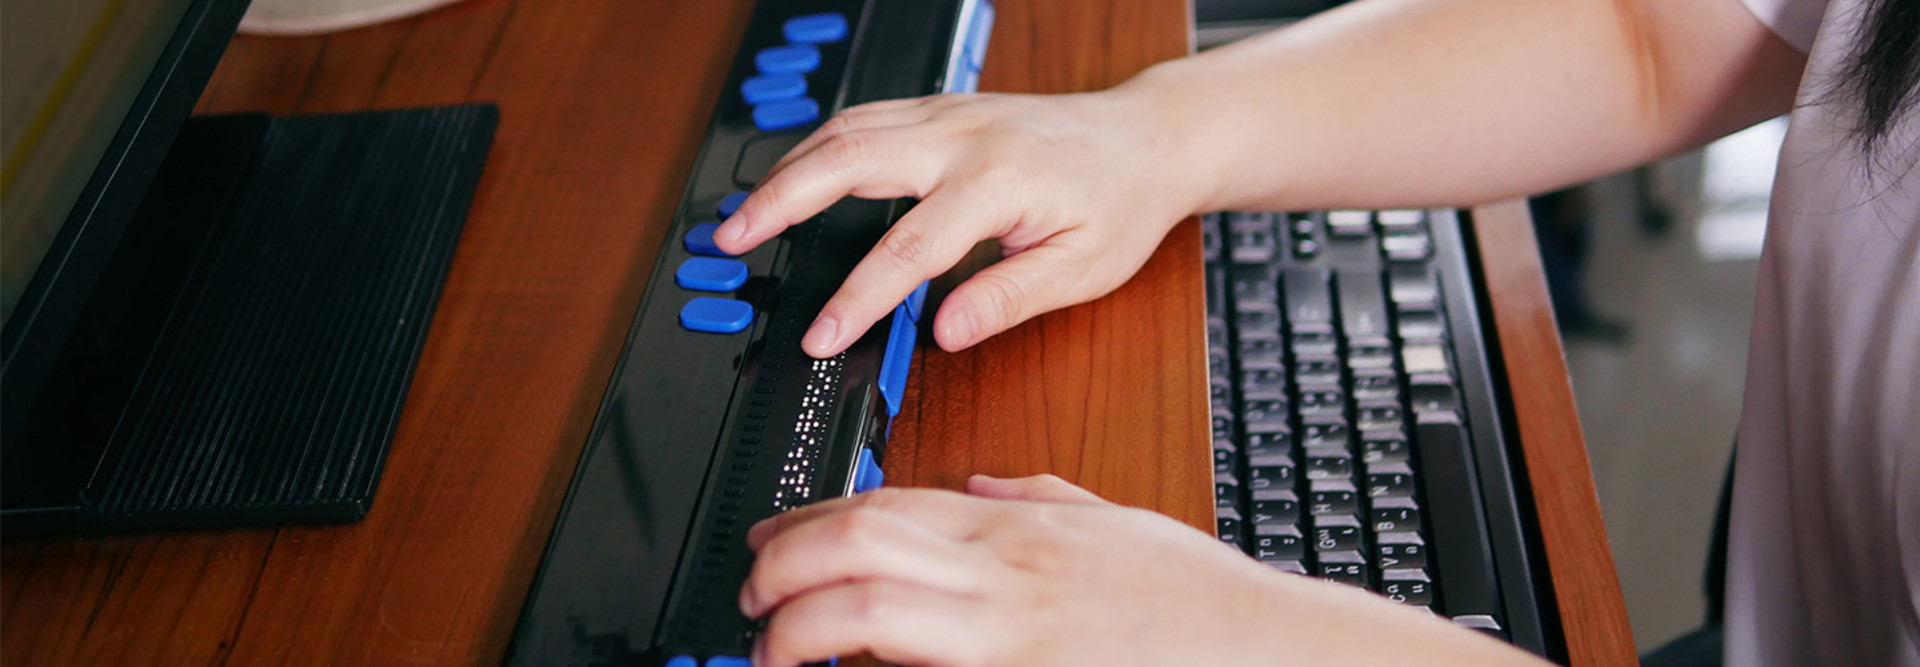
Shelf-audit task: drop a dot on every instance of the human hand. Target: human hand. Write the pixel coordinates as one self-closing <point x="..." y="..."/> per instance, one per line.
<point x="1036" y="571"/>
<point x="1078" y="189"/>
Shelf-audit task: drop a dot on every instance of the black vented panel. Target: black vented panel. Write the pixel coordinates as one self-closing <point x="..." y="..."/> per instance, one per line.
<point x="275" y="385"/>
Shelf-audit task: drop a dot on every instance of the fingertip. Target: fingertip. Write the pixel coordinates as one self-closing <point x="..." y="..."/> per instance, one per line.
<point x="823" y="338"/>
<point x="955" y="328"/>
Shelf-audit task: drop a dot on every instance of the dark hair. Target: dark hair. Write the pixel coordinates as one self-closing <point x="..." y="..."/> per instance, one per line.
<point x="1882" y="75"/>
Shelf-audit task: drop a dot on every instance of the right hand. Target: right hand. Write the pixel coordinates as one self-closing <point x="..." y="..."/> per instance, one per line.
<point x="1079" y="190"/>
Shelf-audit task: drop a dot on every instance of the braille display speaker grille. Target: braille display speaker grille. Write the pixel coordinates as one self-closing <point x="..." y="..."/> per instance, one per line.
<point x="275" y="386"/>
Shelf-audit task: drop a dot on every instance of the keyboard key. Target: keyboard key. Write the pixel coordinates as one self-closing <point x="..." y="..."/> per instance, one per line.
<point x="1324" y="371"/>
<point x="1377" y="451"/>
<point x="1410" y="284"/>
<point x="711" y="274"/>
<point x="1375" y="417"/>
<point x="1330" y="399"/>
<point x="1394" y="515"/>
<point x="1293" y="566"/>
<point x="1406" y="245"/>
<point x="1314" y="344"/>
<point x="1370" y="356"/>
<point x="787" y="59"/>
<point x="1276" y="443"/>
<point x="1226" y="491"/>
<point x="1261" y="352"/>
<point x="785" y="114"/>
<point x="1262" y="383"/>
<point x="1458" y="529"/>
<point x="1225" y="462"/>
<point x="1407" y="590"/>
<point x="1376" y="384"/>
<point x="1331" y="499"/>
<point x="1389" y="555"/>
<point x="1345" y="567"/>
<point x="1255" y="284"/>
<point x="1363" y="307"/>
<point x="1261" y="411"/>
<point x="1332" y="434"/>
<point x="1309" y="300"/>
<point x="1329" y="465"/>
<point x="1271" y="477"/>
<point x="1276" y="512"/>
<point x="1223" y="423"/>
<point x="1336" y="533"/>
<point x="1350" y="223"/>
<point x="1229" y="530"/>
<point x="771" y="87"/>
<point x="1306" y="248"/>
<point x="1212" y="242"/>
<point x="1425" y="359"/>
<point x="1402" y="218"/>
<point x="713" y="315"/>
<point x="1434" y="399"/>
<point x="815" y="28"/>
<point x="1251" y="238"/>
<point x="1279" y="547"/>
<point x="1389" y="483"/>
<point x="1256" y="321"/>
<point x="1421" y="325"/>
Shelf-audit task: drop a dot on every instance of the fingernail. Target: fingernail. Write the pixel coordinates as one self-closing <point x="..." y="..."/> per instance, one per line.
<point x="963" y="330"/>
<point x="748" y="605"/>
<point x="760" y="652"/>
<point x="759" y="531"/>
<point x="821" y="336"/>
<point x="730" y="232"/>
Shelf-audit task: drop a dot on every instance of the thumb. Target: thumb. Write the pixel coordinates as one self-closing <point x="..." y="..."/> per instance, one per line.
<point x="1012" y="291"/>
<point x="1040" y="488"/>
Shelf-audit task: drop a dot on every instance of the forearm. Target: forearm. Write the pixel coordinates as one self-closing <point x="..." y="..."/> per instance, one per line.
<point x="1453" y="102"/>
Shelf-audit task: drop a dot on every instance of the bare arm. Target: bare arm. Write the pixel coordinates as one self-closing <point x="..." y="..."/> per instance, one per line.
<point x="1456" y="102"/>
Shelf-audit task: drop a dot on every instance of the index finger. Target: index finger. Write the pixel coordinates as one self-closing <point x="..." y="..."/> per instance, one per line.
<point x="874" y="164"/>
<point x="945" y="512"/>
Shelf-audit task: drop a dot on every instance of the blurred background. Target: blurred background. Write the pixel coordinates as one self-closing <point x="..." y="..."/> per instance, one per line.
<point x="1652" y="274"/>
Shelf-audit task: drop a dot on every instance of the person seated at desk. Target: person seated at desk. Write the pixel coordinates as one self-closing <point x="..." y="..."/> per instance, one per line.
<point x="1386" y="103"/>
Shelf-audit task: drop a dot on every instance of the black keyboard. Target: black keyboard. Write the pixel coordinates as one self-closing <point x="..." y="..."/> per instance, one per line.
<point x="714" y="418"/>
<point x="1356" y="430"/>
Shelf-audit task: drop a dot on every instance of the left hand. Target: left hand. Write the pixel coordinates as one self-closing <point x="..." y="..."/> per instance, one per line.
<point x="1036" y="571"/>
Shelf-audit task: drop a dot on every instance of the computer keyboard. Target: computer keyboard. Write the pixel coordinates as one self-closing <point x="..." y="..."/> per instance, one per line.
<point x="715" y="419"/>
<point x="1356" y="429"/>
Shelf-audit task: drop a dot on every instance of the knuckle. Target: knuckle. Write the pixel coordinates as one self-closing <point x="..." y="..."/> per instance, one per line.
<point x="860" y="525"/>
<point x="906" y="246"/>
<point x="845" y="152"/>
<point x="872" y="604"/>
<point x="1005" y="297"/>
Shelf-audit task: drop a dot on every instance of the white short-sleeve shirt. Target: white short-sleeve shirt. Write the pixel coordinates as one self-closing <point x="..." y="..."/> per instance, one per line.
<point x="1824" y="552"/>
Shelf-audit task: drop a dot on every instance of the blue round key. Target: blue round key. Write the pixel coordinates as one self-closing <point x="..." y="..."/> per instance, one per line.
<point x="815" y="28"/>
<point x="713" y="315"/>
<point x="731" y="203"/>
<point x="771" y="87"/>
<point x="711" y="274"/>
<point x="700" y="241"/>
<point x="787" y="59"/>
<point x="785" y="114"/>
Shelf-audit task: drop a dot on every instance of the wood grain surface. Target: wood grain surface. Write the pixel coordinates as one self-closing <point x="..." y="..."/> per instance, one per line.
<point x="1586" y="589"/>
<point x="602" y="106"/>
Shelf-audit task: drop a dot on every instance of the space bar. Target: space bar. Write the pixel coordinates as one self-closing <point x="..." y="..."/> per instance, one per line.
<point x="1459" y="526"/>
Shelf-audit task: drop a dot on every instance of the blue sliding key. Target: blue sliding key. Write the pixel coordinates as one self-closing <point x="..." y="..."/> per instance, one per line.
<point x="770" y="87"/>
<point x="785" y="114"/>
<point x="700" y="240"/>
<point x="867" y="475"/>
<point x="788" y="59"/>
<point x="916" y="301"/>
<point x="898" y="359"/>
<point x="731" y="203"/>
<point x="711" y="315"/>
<point x="815" y="28"/>
<point x="711" y="274"/>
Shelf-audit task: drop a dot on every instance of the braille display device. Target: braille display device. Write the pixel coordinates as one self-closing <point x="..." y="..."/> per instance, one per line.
<point x="715" y="419"/>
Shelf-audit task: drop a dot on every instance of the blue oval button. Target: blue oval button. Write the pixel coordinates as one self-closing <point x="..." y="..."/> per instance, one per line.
<point x="770" y="87"/>
<point x="787" y="59"/>
<point x="731" y="203"/>
<point x="713" y="315"/>
<point x="728" y="661"/>
<point x="784" y="114"/>
<point x="711" y="274"/>
<point x="682" y="661"/>
<point x="700" y="240"/>
<point x="815" y="28"/>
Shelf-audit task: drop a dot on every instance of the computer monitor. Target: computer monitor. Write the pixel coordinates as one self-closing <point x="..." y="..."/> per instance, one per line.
<point x="94" y="92"/>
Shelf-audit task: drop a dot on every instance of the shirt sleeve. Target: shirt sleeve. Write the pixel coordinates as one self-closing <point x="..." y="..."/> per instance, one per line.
<point x="1793" y="20"/>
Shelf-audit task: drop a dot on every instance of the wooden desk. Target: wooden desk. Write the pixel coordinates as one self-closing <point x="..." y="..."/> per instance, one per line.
<point x="602" y="105"/>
